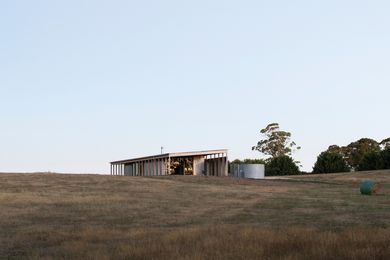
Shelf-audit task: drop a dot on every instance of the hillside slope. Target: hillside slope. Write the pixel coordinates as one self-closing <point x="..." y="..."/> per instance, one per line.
<point x="95" y="216"/>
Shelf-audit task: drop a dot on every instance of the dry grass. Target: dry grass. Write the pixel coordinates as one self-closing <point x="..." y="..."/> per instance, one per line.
<point x="91" y="216"/>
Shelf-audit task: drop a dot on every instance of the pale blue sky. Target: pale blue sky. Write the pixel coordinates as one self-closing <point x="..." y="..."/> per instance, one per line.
<point x="86" y="82"/>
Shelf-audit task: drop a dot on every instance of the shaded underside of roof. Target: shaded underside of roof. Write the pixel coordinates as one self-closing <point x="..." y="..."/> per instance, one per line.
<point x="172" y="155"/>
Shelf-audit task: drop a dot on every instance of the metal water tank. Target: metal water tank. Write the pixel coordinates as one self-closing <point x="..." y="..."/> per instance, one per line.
<point x="250" y="171"/>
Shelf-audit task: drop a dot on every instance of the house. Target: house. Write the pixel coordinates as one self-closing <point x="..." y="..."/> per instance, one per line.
<point x="209" y="163"/>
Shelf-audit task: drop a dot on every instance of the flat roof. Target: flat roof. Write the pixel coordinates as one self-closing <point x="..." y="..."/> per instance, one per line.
<point x="172" y="155"/>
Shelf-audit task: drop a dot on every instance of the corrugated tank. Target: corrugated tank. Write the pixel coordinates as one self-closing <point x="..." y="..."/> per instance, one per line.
<point x="250" y="171"/>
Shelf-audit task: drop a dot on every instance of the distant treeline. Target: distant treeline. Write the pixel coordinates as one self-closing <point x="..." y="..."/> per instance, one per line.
<point x="361" y="155"/>
<point x="364" y="154"/>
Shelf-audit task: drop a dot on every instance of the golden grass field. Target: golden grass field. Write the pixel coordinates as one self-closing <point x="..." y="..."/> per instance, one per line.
<point x="46" y="216"/>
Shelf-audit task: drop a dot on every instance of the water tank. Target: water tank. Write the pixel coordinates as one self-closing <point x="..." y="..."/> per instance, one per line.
<point x="250" y="171"/>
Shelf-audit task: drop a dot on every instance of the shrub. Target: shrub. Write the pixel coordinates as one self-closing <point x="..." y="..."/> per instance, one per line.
<point x="281" y="165"/>
<point x="328" y="162"/>
<point x="236" y="161"/>
<point x="254" y="161"/>
<point x="248" y="161"/>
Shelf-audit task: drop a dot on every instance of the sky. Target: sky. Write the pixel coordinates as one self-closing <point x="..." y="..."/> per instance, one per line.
<point x="86" y="82"/>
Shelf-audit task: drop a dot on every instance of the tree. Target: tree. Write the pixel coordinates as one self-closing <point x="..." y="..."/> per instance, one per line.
<point x="371" y="161"/>
<point x="275" y="142"/>
<point x="336" y="149"/>
<point x="385" y="154"/>
<point x="385" y="144"/>
<point x="281" y="165"/>
<point x="328" y="162"/>
<point x="354" y="153"/>
<point x="376" y="161"/>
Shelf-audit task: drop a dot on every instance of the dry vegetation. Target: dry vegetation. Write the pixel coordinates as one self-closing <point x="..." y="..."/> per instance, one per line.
<point x="91" y="216"/>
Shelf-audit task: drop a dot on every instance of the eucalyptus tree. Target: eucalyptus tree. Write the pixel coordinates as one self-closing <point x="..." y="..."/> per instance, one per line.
<point x="275" y="142"/>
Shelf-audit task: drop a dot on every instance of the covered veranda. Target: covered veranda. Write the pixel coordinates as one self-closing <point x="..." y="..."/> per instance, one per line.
<point x="209" y="163"/>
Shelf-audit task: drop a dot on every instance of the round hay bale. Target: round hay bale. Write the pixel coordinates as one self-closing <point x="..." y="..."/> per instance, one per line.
<point x="369" y="187"/>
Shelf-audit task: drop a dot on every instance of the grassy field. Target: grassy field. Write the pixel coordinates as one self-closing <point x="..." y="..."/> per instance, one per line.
<point x="185" y="217"/>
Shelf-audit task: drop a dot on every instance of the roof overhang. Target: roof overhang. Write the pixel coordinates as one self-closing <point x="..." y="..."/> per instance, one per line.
<point x="172" y="155"/>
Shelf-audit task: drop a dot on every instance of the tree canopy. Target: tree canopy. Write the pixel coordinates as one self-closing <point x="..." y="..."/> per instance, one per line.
<point x="356" y="151"/>
<point x="275" y="142"/>
<point x="281" y="165"/>
<point x="362" y="154"/>
<point x="329" y="162"/>
<point x="385" y="144"/>
<point x="371" y="161"/>
<point x="375" y="161"/>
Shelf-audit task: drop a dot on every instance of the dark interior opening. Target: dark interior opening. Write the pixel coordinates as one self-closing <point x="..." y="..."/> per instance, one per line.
<point x="182" y="166"/>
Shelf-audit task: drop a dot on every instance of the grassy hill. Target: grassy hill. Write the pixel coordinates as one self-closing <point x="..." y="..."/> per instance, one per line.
<point x="92" y="216"/>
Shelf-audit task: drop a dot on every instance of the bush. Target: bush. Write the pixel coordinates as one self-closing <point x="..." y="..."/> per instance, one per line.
<point x="248" y="161"/>
<point x="281" y="165"/>
<point x="236" y="161"/>
<point x="329" y="162"/>
<point x="254" y="161"/>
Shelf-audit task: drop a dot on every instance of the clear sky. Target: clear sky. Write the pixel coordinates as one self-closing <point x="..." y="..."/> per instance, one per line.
<point x="86" y="82"/>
